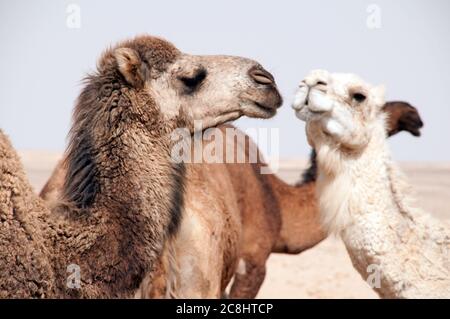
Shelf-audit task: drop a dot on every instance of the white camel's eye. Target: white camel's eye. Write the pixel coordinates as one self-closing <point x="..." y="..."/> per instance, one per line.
<point x="359" y="97"/>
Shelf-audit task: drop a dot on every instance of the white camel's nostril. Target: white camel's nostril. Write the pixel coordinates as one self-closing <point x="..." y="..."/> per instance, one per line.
<point x="300" y="98"/>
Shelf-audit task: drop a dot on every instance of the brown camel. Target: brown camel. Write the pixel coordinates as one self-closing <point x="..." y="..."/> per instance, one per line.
<point x="285" y="214"/>
<point x="122" y="197"/>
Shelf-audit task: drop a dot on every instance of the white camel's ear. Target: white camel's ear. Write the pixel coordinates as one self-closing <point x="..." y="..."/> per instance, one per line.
<point x="130" y="65"/>
<point x="378" y="93"/>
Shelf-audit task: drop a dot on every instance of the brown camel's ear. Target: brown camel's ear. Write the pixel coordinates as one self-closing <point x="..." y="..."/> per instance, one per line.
<point x="131" y="66"/>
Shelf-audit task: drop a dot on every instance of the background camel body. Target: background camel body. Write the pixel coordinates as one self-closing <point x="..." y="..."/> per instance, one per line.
<point x="122" y="195"/>
<point x="362" y="196"/>
<point x="274" y="216"/>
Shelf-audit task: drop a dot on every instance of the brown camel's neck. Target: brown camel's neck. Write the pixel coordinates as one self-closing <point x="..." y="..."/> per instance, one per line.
<point x="300" y="227"/>
<point x="123" y="185"/>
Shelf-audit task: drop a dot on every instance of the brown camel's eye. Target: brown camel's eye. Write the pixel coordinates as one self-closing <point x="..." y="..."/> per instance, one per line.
<point x="191" y="83"/>
<point x="359" y="97"/>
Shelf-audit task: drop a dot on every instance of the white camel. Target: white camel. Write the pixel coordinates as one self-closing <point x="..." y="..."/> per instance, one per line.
<point x="362" y="195"/>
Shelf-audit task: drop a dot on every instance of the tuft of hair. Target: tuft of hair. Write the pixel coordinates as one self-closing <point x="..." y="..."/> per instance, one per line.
<point x="140" y="58"/>
<point x="310" y="174"/>
<point x="177" y="201"/>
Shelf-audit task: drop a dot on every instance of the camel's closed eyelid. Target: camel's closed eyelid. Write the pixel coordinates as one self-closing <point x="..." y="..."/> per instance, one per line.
<point x="192" y="82"/>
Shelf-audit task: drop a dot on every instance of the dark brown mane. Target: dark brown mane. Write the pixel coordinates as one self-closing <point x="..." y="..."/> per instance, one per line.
<point x="80" y="186"/>
<point x="177" y="200"/>
<point x="310" y="174"/>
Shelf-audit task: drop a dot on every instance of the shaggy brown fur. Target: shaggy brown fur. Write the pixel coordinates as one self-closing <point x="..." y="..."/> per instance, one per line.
<point x="122" y="195"/>
<point x="104" y="223"/>
<point x="25" y="269"/>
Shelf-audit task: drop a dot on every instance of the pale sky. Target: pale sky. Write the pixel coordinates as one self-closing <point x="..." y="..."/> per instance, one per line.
<point x="43" y="60"/>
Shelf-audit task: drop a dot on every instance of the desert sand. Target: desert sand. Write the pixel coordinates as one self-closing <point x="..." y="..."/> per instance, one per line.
<point x="324" y="271"/>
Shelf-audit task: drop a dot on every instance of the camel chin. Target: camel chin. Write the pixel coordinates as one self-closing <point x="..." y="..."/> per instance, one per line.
<point x="257" y="110"/>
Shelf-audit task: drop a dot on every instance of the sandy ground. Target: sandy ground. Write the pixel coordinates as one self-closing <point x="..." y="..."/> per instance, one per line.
<point x="324" y="271"/>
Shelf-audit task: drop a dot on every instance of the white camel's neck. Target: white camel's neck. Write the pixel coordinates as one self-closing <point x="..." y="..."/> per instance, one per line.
<point x="358" y="194"/>
<point x="393" y="245"/>
<point x="358" y="202"/>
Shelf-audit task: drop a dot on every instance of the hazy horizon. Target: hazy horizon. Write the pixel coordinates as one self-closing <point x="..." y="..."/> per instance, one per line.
<point x="44" y="58"/>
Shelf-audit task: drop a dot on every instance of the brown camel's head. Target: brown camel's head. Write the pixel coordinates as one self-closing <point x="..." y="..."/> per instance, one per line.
<point x="211" y="89"/>
<point x="402" y="116"/>
<point x="143" y="89"/>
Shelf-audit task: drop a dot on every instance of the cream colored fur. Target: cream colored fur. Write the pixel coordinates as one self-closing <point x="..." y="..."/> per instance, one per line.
<point x="363" y="196"/>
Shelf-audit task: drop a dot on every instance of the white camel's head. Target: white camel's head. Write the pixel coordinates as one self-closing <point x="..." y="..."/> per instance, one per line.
<point x="339" y="109"/>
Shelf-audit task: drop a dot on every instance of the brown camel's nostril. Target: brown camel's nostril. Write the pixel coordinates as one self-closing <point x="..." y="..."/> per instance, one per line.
<point x="261" y="76"/>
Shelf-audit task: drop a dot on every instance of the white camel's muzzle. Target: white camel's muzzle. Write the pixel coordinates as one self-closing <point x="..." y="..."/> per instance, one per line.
<point x="309" y="102"/>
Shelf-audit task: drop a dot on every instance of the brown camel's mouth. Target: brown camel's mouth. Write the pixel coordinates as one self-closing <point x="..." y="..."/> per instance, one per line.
<point x="266" y="108"/>
<point x="263" y="108"/>
<point x="259" y="110"/>
<point x="261" y="103"/>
